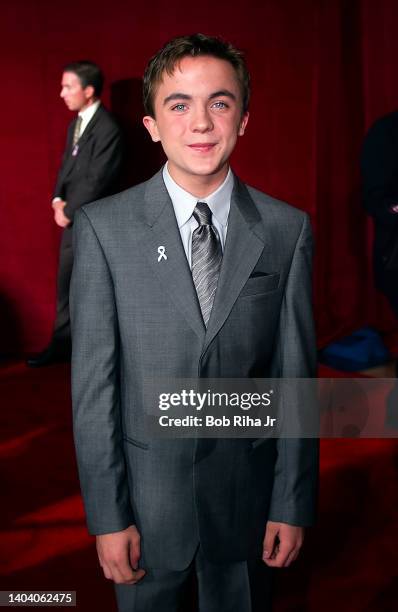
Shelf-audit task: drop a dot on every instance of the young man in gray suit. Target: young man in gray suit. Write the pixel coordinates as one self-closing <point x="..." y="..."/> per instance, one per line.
<point x="191" y="274"/>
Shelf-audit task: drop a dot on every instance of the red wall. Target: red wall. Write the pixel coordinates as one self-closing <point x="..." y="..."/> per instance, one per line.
<point x="322" y="71"/>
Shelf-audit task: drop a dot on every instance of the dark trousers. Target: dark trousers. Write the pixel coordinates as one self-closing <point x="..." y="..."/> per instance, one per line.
<point x="386" y="280"/>
<point x="392" y="296"/>
<point x="390" y="289"/>
<point x="61" y="331"/>
<point x="202" y="587"/>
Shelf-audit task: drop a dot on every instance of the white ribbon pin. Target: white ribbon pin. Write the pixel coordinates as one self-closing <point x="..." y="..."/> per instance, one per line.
<point x="162" y="253"/>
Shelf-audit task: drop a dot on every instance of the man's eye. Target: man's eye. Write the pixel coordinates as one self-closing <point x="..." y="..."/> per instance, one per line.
<point x="220" y="104"/>
<point x="179" y="107"/>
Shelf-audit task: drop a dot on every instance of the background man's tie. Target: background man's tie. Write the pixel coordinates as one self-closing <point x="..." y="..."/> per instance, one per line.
<point x="76" y="131"/>
<point x="206" y="259"/>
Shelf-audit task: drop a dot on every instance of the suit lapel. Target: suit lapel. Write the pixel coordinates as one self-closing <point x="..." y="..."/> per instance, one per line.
<point x="243" y="247"/>
<point x="89" y="127"/>
<point x="174" y="273"/>
<point x="70" y="159"/>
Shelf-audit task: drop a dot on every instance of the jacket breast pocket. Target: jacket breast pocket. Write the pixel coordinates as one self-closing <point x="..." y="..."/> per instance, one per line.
<point x="264" y="283"/>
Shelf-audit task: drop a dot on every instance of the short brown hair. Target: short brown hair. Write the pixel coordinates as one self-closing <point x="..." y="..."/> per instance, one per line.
<point x="193" y="45"/>
<point x="88" y="73"/>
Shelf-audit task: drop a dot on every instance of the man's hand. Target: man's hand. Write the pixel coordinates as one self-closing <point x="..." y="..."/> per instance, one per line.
<point x="119" y="553"/>
<point x="281" y="544"/>
<point x="59" y="217"/>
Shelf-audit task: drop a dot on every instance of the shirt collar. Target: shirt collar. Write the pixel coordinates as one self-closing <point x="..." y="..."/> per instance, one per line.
<point x="184" y="202"/>
<point x="88" y="113"/>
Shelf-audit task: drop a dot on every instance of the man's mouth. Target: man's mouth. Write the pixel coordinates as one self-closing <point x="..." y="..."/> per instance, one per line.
<point x="202" y="147"/>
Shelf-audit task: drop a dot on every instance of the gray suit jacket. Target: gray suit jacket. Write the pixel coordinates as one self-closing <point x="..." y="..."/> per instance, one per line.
<point x="134" y="317"/>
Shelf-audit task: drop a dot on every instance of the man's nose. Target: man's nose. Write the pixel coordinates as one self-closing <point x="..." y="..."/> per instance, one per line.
<point x="201" y="120"/>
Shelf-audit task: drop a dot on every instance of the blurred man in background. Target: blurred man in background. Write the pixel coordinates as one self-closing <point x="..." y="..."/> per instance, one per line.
<point x="90" y="168"/>
<point x="379" y="167"/>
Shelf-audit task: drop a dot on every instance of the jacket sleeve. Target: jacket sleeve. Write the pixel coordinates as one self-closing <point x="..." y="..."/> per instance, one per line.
<point x="102" y="171"/>
<point x="59" y="189"/>
<point x="95" y="386"/>
<point x="379" y="169"/>
<point x="294" y="494"/>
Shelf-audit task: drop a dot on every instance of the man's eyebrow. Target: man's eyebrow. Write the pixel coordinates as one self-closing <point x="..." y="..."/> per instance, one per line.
<point x="217" y="94"/>
<point x="221" y="93"/>
<point x="176" y="96"/>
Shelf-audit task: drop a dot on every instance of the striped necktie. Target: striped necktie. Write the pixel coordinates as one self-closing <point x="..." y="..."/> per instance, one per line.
<point x="206" y="259"/>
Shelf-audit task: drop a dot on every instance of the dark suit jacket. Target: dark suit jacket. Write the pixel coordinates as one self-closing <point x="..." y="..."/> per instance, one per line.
<point x="94" y="171"/>
<point x="379" y="168"/>
<point x="136" y="318"/>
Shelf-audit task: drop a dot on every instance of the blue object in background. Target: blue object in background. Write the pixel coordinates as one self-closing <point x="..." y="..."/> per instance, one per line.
<point x="361" y="350"/>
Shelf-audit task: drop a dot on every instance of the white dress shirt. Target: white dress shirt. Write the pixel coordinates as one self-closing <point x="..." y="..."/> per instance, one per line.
<point x="184" y="203"/>
<point x="87" y="114"/>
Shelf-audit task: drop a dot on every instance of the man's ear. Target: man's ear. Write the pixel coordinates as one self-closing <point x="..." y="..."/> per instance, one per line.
<point x="89" y="92"/>
<point x="150" y="124"/>
<point x="243" y="123"/>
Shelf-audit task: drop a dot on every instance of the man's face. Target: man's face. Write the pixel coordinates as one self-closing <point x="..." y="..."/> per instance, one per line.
<point x="75" y="97"/>
<point x="198" y="117"/>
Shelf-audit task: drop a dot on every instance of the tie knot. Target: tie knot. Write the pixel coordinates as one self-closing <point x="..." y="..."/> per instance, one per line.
<point x="202" y="213"/>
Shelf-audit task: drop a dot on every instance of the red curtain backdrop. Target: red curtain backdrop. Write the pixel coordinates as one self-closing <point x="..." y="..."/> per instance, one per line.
<point x="322" y="72"/>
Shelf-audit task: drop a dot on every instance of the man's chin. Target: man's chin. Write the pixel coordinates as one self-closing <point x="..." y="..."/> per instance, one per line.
<point x="208" y="169"/>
